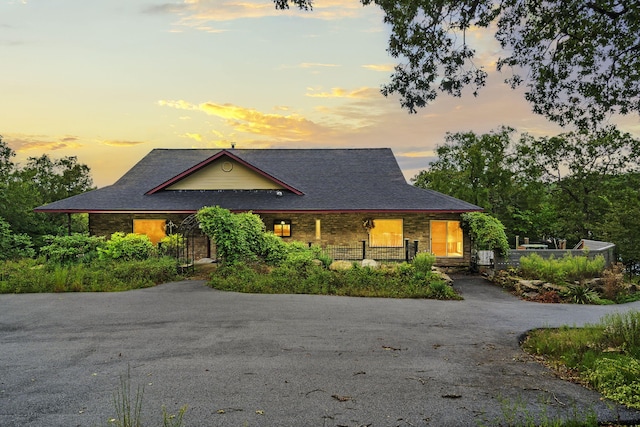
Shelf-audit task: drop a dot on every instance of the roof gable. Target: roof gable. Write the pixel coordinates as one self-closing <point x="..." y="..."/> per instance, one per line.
<point x="224" y="171"/>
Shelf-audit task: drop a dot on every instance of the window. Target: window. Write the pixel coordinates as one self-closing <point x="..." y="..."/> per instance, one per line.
<point x="154" y="228"/>
<point x="318" y="233"/>
<point x="386" y="233"/>
<point x="282" y="227"/>
<point x="446" y="238"/>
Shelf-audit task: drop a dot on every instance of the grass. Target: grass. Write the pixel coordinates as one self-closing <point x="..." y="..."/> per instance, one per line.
<point x="128" y="407"/>
<point x="33" y="276"/>
<point x="604" y="356"/>
<point x="391" y="281"/>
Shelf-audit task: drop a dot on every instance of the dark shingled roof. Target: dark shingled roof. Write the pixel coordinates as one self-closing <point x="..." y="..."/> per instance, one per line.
<point x="317" y="180"/>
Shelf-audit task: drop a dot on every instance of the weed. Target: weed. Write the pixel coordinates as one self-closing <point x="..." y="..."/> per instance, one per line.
<point x="605" y="355"/>
<point x="128" y="409"/>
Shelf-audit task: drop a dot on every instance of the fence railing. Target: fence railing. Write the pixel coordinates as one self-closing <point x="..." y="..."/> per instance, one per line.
<point x="361" y="250"/>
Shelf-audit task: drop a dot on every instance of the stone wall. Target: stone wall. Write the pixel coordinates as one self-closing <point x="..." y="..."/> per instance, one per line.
<point x="335" y="229"/>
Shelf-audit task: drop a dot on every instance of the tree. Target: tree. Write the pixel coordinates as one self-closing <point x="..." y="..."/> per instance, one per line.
<point x="582" y="172"/>
<point x="13" y="245"/>
<point x="579" y="60"/>
<point x="480" y="169"/>
<point x="41" y="181"/>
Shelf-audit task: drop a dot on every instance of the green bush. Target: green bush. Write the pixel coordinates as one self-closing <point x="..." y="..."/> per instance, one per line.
<point x="486" y="232"/>
<point x="423" y="262"/>
<point x="27" y="276"/>
<point x="567" y="269"/>
<point x="622" y="330"/>
<point x="14" y="246"/>
<point x="238" y="237"/>
<point x="301" y="275"/>
<point x="127" y="247"/>
<point x="71" y="249"/>
<point x="617" y="378"/>
<point x="171" y="245"/>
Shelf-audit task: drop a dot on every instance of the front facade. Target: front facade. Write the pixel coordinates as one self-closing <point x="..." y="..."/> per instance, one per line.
<point x="332" y="197"/>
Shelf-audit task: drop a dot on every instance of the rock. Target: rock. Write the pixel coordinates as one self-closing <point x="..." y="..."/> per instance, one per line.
<point x="443" y="275"/>
<point x="341" y="265"/>
<point x="552" y="287"/>
<point x="370" y="263"/>
<point x="529" y="285"/>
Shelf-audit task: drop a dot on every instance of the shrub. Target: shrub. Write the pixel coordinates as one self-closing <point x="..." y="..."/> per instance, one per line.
<point x="71" y="249"/>
<point x="622" y="330"/>
<point x="127" y="247"/>
<point x="613" y="281"/>
<point x="487" y="232"/>
<point x="238" y="237"/>
<point x="14" y="246"/>
<point x="580" y="294"/>
<point x="423" y="262"/>
<point x="27" y="276"/>
<point x="171" y="245"/>
<point x="561" y="270"/>
<point x="617" y="378"/>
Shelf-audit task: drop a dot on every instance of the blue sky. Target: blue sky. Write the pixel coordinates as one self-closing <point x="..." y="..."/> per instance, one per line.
<point x="109" y="80"/>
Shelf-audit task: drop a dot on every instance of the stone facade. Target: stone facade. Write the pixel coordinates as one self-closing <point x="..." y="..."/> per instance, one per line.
<point x="335" y="229"/>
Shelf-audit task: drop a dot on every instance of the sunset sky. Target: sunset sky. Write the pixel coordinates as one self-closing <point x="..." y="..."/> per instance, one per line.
<point x="108" y="81"/>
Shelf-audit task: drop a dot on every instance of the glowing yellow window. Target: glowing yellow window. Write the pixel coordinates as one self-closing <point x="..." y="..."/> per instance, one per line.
<point x="386" y="233"/>
<point x="446" y="238"/>
<point x="282" y="227"/>
<point x="154" y="228"/>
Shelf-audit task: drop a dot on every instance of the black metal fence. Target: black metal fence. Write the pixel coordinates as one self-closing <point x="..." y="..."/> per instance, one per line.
<point x="361" y="250"/>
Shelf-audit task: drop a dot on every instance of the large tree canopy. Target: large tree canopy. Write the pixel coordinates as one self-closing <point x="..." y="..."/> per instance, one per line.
<point x="571" y="186"/>
<point x="579" y="59"/>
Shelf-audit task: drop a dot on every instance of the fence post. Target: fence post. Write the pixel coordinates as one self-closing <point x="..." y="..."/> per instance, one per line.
<point x="406" y="250"/>
<point x="415" y="248"/>
<point x="364" y="249"/>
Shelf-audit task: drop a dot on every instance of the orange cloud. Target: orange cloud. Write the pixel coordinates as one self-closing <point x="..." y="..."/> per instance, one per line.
<point x="284" y="127"/>
<point x="362" y="93"/>
<point x="380" y="67"/>
<point x="21" y="142"/>
<point x="197" y="13"/>
<point x="117" y="143"/>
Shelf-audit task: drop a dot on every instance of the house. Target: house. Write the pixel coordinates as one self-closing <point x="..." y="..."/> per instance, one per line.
<point x="323" y="196"/>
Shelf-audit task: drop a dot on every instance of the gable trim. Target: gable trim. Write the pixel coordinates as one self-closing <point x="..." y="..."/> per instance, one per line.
<point x="223" y="153"/>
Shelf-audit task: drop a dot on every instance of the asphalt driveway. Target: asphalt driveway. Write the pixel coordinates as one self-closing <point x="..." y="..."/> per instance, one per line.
<point x="284" y="360"/>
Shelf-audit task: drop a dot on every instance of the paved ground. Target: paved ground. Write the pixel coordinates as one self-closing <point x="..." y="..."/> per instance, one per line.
<point x="283" y="360"/>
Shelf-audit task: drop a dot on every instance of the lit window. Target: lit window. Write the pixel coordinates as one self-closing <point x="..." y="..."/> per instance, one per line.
<point x="386" y="233"/>
<point x="446" y="238"/>
<point x="318" y="234"/>
<point x="154" y="228"/>
<point x="282" y="227"/>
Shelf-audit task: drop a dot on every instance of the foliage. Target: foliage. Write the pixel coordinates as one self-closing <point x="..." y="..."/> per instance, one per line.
<point x="487" y="232"/>
<point x="605" y="355"/>
<point x="580" y="171"/>
<point x="171" y="245"/>
<point x="299" y="276"/>
<point x="567" y="269"/>
<point x="40" y="181"/>
<point x="423" y="262"/>
<point x="71" y="249"/>
<point x="239" y="237"/>
<point x="128" y="409"/>
<point x="29" y="276"/>
<point x="13" y="245"/>
<point x="577" y="60"/>
<point x="580" y="294"/>
<point x="127" y="247"/>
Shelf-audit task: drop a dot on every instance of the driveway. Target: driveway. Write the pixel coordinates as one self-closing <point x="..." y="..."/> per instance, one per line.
<point x="284" y="360"/>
